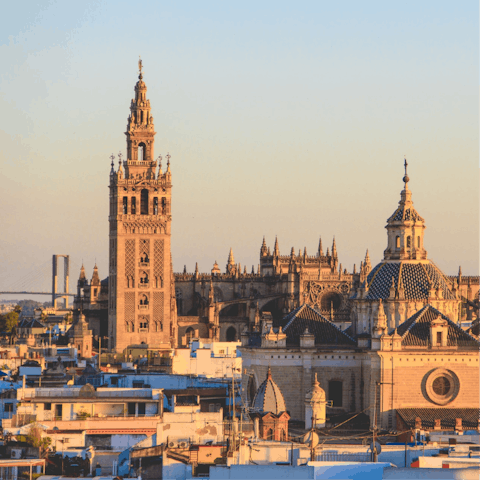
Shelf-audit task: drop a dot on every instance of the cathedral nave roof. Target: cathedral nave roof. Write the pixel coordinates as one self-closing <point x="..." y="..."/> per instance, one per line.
<point x="307" y="318"/>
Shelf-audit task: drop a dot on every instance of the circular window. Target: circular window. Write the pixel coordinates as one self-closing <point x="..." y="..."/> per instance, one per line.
<point x="441" y="386"/>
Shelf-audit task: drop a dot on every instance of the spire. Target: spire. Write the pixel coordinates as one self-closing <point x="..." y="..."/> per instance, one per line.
<point x="112" y="170"/>
<point x="276" y="249"/>
<point x="95" y="277"/>
<point x="304" y="253"/>
<point x="367" y="264"/>
<point x="82" y="273"/>
<point x="328" y="252"/>
<point x="269" y="373"/>
<point x="167" y="156"/>
<point x="120" y="168"/>
<point x="231" y="260"/>
<point x="354" y="268"/>
<point x="263" y="248"/>
<point x="159" y="160"/>
<point x="334" y="248"/>
<point x="196" y="267"/>
<point x="320" y="248"/>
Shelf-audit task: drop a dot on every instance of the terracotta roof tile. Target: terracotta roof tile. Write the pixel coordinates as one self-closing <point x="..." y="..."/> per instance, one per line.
<point x="416" y="330"/>
<point x="447" y="416"/>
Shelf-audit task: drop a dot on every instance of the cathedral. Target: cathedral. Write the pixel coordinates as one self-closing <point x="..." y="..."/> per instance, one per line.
<point x="395" y="336"/>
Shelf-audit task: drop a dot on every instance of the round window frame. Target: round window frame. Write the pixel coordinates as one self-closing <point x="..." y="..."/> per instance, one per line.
<point x="452" y="392"/>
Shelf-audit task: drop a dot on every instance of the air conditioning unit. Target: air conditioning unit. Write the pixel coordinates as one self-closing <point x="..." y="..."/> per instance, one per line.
<point x="16" y="453"/>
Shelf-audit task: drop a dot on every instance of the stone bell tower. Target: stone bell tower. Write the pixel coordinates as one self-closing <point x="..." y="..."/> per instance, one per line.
<point x="141" y="305"/>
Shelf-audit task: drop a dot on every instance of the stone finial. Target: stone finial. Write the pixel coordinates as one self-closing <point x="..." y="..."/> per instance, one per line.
<point x="320" y="247"/>
<point x="334" y="248"/>
<point x="184" y="269"/>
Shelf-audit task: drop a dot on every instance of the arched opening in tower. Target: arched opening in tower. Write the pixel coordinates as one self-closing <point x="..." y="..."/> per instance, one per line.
<point x="141" y="152"/>
<point x="144" y="202"/>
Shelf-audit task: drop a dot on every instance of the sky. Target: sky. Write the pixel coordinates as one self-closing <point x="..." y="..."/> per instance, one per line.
<point x="281" y="118"/>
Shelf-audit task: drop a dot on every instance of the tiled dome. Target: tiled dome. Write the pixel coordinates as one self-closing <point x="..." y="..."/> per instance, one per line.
<point x="269" y="398"/>
<point x="417" y="280"/>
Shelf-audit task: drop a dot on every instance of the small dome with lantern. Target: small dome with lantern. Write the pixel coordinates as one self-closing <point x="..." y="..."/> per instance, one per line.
<point x="269" y="397"/>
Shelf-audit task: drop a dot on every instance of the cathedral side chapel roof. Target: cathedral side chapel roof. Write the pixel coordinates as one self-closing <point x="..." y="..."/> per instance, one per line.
<point x="416" y="279"/>
<point x="415" y="331"/>
<point x="446" y="416"/>
<point x="269" y="398"/>
<point x="325" y="331"/>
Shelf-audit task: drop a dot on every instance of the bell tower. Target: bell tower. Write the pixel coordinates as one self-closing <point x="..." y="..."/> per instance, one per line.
<point x="141" y="306"/>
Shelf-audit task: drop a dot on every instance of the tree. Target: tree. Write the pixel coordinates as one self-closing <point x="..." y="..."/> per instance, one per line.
<point x="17" y="309"/>
<point x="9" y="321"/>
<point x="35" y="439"/>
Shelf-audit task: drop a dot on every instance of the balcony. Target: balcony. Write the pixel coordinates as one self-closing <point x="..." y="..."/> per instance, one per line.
<point x="143" y="307"/>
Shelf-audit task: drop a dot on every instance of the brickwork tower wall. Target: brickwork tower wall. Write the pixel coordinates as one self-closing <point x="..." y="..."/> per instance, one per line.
<point x="141" y="307"/>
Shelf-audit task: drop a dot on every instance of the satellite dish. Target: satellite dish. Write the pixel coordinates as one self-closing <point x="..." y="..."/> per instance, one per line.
<point x="378" y="446"/>
<point x="311" y="439"/>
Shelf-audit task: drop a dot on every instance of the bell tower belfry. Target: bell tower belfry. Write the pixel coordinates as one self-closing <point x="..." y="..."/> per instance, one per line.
<point x="141" y="307"/>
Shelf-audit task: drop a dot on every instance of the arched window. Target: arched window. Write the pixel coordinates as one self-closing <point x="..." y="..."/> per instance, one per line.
<point x="418" y="242"/>
<point x="397" y="241"/>
<point x="144" y="277"/>
<point x="189" y="334"/>
<point x="143" y="300"/>
<point x="134" y="207"/>
<point x="141" y="152"/>
<point x="125" y="205"/>
<point x="335" y="392"/>
<point x="282" y="435"/>
<point x="330" y="300"/>
<point x="231" y="334"/>
<point x="409" y="241"/>
<point x="269" y="434"/>
<point x="144" y="202"/>
<point x="155" y="205"/>
<point x="164" y="206"/>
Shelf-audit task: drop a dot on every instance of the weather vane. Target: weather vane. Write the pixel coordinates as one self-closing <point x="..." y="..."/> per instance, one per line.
<point x="140" y="65"/>
<point x="405" y="178"/>
<point x="168" y="158"/>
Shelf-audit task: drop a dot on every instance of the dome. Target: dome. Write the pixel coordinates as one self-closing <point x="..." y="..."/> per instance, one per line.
<point x="418" y="279"/>
<point x="269" y="398"/>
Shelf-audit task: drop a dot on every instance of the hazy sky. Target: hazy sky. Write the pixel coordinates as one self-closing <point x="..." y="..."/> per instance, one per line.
<point x="282" y="118"/>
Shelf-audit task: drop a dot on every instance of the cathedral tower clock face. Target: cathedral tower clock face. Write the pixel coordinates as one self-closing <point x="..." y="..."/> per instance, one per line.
<point x="141" y="292"/>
